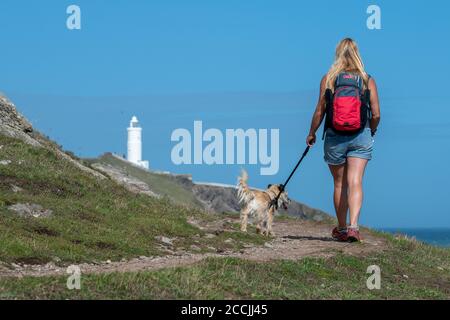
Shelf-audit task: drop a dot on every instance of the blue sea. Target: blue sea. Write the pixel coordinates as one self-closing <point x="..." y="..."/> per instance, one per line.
<point x="434" y="236"/>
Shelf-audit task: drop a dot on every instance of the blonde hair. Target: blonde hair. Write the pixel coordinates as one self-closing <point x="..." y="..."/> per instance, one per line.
<point x="347" y="59"/>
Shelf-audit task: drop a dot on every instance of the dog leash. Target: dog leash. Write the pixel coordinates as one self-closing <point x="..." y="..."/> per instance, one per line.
<point x="274" y="202"/>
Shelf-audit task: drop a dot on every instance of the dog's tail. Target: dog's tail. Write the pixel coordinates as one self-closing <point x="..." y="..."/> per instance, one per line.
<point x="244" y="193"/>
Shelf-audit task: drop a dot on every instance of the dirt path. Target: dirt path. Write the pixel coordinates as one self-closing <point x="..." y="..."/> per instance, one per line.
<point x="293" y="240"/>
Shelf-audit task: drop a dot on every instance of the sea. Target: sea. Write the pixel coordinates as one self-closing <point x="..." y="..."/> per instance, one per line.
<point x="434" y="236"/>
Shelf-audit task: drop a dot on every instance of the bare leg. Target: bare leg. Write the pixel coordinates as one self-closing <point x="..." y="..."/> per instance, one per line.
<point x="355" y="173"/>
<point x="340" y="193"/>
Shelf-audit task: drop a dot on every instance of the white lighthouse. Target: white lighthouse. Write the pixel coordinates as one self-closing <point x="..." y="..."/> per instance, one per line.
<point x="135" y="143"/>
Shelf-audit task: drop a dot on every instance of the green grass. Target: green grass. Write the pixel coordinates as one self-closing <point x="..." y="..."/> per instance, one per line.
<point x="93" y="220"/>
<point x="340" y="277"/>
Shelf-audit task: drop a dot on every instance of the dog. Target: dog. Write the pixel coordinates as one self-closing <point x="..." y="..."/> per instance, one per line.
<point x="257" y="204"/>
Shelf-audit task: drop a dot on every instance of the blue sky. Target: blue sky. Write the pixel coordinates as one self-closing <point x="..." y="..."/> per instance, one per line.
<point x="239" y="64"/>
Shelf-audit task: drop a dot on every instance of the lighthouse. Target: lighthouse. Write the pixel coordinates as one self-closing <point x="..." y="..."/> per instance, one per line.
<point x="134" y="144"/>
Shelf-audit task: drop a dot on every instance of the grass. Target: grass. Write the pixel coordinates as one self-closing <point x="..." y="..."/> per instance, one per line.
<point x="93" y="220"/>
<point x="341" y="277"/>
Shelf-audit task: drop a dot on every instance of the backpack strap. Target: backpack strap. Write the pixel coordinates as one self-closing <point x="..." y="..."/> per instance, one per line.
<point x="360" y="82"/>
<point x="328" y="102"/>
<point x="365" y="98"/>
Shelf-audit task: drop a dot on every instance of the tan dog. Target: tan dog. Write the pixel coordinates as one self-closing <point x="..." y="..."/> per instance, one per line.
<point x="256" y="204"/>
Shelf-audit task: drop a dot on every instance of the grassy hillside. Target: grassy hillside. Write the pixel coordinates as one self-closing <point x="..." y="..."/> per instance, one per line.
<point x="92" y="219"/>
<point x="162" y="184"/>
<point x="409" y="270"/>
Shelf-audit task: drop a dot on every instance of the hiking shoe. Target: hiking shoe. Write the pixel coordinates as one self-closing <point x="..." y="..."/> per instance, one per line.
<point x="335" y="233"/>
<point x="339" y="235"/>
<point x="353" y="235"/>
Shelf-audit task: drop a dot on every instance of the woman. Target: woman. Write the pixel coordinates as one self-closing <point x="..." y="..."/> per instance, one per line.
<point x="347" y="155"/>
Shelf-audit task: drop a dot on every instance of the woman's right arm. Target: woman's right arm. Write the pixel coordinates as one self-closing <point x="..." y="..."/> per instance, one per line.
<point x="319" y="114"/>
<point x="374" y="105"/>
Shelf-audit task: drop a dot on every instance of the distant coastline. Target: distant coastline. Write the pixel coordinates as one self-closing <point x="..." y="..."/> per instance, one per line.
<point x="434" y="236"/>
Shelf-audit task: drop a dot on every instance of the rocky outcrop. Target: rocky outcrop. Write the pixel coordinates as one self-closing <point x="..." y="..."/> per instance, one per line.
<point x="14" y="125"/>
<point x="121" y="177"/>
<point x="30" y="210"/>
<point x="217" y="198"/>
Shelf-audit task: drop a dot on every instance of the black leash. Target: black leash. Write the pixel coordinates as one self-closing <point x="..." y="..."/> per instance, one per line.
<point x="274" y="202"/>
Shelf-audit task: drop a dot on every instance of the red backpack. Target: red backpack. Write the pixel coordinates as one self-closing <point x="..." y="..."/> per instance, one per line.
<point x="347" y="108"/>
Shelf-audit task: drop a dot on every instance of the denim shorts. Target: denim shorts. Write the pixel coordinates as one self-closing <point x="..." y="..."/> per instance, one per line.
<point x="338" y="147"/>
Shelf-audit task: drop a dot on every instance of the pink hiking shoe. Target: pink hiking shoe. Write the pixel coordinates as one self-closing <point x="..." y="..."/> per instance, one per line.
<point x="339" y="235"/>
<point x="353" y="235"/>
